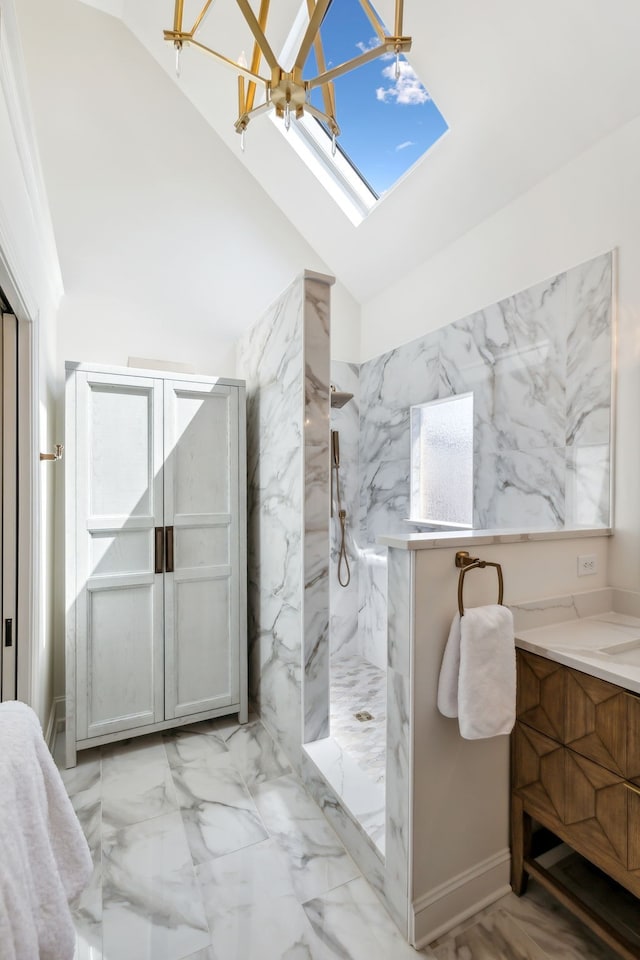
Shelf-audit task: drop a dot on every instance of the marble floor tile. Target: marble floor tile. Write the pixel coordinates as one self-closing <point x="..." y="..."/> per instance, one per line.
<point x="316" y="858"/>
<point x="136" y="781"/>
<point x="292" y="893"/>
<point x="188" y="746"/>
<point x="152" y="907"/>
<point x="356" y="684"/>
<point x="217" y="809"/>
<point x="252" y="909"/>
<point x="256" y="754"/>
<point x="556" y="931"/>
<point x="497" y="937"/>
<point x="86" y="911"/>
<point x="351" y="923"/>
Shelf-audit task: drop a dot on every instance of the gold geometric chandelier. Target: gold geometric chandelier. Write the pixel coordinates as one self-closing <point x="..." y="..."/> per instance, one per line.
<point x="286" y="91"/>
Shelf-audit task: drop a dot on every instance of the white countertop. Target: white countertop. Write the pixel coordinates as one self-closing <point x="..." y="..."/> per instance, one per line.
<point x="434" y="539"/>
<point x="606" y="646"/>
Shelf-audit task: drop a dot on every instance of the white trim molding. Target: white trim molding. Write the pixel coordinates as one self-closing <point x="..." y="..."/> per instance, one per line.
<point x="29" y="265"/>
<point x="55" y="723"/>
<point x="452" y="902"/>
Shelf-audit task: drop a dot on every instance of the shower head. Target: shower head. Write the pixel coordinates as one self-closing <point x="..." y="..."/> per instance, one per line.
<point x="339" y="398"/>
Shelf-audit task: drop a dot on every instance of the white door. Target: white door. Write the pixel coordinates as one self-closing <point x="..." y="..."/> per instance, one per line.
<point x="9" y="513"/>
<point x="118" y="577"/>
<point x="202" y="647"/>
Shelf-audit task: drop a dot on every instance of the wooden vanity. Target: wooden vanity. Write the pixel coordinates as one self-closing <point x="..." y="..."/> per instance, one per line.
<point x="576" y="771"/>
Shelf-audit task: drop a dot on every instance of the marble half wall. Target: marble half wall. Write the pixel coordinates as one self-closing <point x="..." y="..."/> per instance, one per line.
<point x="539" y="366"/>
<point x="284" y="359"/>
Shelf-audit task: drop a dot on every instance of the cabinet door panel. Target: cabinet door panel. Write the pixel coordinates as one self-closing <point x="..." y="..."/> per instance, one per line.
<point x="120" y="658"/>
<point x="118" y="603"/>
<point x="540" y="696"/>
<point x="633" y="737"/>
<point x="596" y="810"/>
<point x="203" y="661"/>
<point x="201" y="504"/>
<point x="538" y="773"/>
<point x="596" y="719"/>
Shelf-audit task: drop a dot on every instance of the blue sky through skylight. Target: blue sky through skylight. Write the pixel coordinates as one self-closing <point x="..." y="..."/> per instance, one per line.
<point x="386" y="124"/>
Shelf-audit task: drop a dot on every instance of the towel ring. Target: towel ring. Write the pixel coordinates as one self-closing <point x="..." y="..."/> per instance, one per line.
<point x="466" y="563"/>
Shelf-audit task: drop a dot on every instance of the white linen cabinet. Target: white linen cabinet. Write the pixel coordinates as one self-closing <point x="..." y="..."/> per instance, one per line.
<point x="155" y="504"/>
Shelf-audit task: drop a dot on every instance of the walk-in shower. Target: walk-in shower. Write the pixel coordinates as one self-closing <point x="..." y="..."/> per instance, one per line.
<point x="357" y="695"/>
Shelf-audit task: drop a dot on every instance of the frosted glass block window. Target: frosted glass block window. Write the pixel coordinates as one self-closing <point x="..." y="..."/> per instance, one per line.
<point x="442" y="461"/>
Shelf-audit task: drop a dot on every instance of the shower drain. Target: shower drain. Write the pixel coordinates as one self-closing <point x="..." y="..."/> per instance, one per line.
<point x="363" y="715"/>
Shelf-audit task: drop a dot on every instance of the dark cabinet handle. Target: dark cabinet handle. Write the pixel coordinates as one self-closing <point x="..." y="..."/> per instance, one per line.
<point x="169" y="548"/>
<point x="159" y="552"/>
<point x="8" y="633"/>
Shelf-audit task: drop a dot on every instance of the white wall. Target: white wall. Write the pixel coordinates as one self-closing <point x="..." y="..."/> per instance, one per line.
<point x="461" y="787"/>
<point x="169" y="248"/>
<point x="30" y="277"/>
<point x="589" y="206"/>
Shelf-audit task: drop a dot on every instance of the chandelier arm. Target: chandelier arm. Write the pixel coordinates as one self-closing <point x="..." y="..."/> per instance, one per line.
<point x="201" y="16"/>
<point x="257" y="55"/>
<point x="398" y="20"/>
<point x="243" y="121"/>
<point x="244" y="71"/>
<point x="177" y="16"/>
<point x="258" y="33"/>
<point x="328" y="92"/>
<point x="315" y="23"/>
<point x="392" y="45"/>
<point x="324" y="118"/>
<point x="373" y="19"/>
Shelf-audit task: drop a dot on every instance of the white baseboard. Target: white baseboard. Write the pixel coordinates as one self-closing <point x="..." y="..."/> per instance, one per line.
<point x="55" y="721"/>
<point x="454" y="901"/>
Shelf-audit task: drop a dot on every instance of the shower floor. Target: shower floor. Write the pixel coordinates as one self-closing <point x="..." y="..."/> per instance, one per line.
<point x="358" y="685"/>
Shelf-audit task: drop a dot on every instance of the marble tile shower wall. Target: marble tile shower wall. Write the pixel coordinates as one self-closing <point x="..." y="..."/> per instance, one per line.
<point x="539" y="367"/>
<point x="270" y="360"/>
<point x="344" y="601"/>
<point x="284" y="359"/>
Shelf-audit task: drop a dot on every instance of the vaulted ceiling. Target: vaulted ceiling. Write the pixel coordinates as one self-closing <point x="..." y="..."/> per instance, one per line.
<point x="523" y="87"/>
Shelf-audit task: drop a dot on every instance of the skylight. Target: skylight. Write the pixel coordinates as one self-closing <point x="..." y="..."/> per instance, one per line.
<point x="387" y="122"/>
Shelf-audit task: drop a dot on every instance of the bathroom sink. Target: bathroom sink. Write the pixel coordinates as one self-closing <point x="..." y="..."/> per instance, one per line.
<point x="627" y="652"/>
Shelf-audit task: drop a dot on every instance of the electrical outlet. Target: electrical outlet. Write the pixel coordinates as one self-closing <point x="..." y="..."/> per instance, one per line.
<point x="587" y="564"/>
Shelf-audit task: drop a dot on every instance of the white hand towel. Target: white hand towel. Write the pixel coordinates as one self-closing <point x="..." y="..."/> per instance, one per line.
<point x="44" y="857"/>
<point x="481" y="645"/>
<point x="449" y="672"/>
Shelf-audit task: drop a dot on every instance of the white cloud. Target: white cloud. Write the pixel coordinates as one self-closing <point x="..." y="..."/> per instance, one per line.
<point x="404" y="145"/>
<point x="406" y="89"/>
<point x="371" y="44"/>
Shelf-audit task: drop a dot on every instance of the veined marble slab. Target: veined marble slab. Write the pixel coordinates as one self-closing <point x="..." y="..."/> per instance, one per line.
<point x="606" y="645"/>
<point x="363" y="797"/>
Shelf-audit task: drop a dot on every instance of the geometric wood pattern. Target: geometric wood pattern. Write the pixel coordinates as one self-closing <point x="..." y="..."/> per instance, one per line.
<point x="596" y="720"/>
<point x="540" y="694"/>
<point x="596" y="808"/>
<point x="575" y="765"/>
<point x="632" y="771"/>
<point x="538" y="772"/>
<point x="633" y="833"/>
